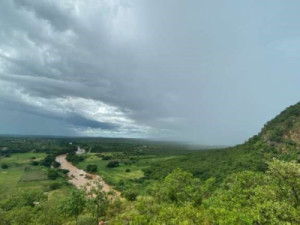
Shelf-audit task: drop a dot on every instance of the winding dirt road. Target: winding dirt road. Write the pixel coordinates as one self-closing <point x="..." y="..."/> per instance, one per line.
<point x="79" y="177"/>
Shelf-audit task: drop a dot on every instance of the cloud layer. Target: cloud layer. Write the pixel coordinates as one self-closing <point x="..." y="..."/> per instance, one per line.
<point x="206" y="72"/>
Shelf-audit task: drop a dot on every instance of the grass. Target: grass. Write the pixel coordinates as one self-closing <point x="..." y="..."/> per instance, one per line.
<point x="22" y="159"/>
<point x="33" y="175"/>
<point x="21" y="174"/>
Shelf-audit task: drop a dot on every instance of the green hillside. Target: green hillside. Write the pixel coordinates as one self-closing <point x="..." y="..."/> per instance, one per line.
<point x="279" y="138"/>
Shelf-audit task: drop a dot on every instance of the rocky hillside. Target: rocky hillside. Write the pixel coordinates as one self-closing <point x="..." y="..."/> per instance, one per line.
<point x="282" y="133"/>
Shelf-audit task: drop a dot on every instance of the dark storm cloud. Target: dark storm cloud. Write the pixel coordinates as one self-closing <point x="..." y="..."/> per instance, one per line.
<point x="80" y="121"/>
<point x="208" y="72"/>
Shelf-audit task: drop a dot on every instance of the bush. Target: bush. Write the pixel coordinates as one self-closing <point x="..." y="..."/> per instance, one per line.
<point x="34" y="163"/>
<point x="112" y="164"/>
<point x="91" y="168"/>
<point x="127" y="170"/>
<point x="73" y="158"/>
<point x="56" y="164"/>
<point x="54" y="186"/>
<point x="52" y="174"/>
<point x="4" y="166"/>
<point x="107" y="157"/>
<point x="121" y="182"/>
<point x="64" y="171"/>
<point x="48" y="160"/>
<point x="130" y="195"/>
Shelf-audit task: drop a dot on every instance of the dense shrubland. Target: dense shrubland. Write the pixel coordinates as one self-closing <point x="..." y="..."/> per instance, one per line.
<point x="242" y="198"/>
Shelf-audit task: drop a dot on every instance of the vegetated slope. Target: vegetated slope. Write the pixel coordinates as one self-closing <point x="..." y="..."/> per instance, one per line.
<point x="283" y="133"/>
<point x="279" y="138"/>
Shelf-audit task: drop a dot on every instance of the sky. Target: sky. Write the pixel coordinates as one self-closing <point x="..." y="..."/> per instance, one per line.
<point x="205" y="72"/>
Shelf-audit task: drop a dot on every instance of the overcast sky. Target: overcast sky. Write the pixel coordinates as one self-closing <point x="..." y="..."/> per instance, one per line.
<point x="208" y="72"/>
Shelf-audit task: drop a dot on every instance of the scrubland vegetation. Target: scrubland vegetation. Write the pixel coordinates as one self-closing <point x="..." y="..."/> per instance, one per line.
<point x="257" y="182"/>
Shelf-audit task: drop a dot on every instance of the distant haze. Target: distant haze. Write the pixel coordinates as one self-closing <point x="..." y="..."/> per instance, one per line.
<point x="204" y="72"/>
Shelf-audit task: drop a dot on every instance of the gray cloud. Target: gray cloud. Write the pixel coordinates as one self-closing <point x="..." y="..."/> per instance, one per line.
<point x="207" y="72"/>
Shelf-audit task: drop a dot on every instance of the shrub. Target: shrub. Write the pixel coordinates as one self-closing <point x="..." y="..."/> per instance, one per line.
<point x="73" y="158"/>
<point x="64" y="171"/>
<point x="127" y="170"/>
<point x="54" y="186"/>
<point x="112" y="164"/>
<point x="130" y="195"/>
<point x="91" y="168"/>
<point x="107" y="157"/>
<point x="34" y="163"/>
<point x="121" y="182"/>
<point x="52" y="174"/>
<point x="4" y="166"/>
<point x="56" y="164"/>
<point x="48" y="160"/>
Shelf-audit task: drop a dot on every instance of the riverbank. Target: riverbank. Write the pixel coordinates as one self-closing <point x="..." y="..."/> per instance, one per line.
<point x="79" y="178"/>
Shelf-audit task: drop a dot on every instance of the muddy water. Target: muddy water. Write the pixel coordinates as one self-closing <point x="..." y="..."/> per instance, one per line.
<point x="80" y="178"/>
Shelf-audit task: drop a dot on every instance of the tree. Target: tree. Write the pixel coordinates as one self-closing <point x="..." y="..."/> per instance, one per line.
<point x="259" y="198"/>
<point x="287" y="177"/>
<point x="74" y="204"/>
<point x="50" y="214"/>
<point x="180" y="187"/>
<point x="98" y="200"/>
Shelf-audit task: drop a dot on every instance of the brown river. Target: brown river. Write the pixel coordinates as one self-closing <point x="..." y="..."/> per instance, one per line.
<point x="79" y="178"/>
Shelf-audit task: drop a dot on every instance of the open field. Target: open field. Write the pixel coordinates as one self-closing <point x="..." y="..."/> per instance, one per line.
<point x="21" y="174"/>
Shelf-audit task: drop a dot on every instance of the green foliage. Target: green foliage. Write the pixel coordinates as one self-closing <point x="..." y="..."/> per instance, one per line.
<point x="86" y="220"/>
<point x="257" y="198"/>
<point x="130" y="195"/>
<point x="286" y="176"/>
<point x="48" y="160"/>
<point x="91" y="168"/>
<point x="243" y="198"/>
<point x="52" y="174"/>
<point x="180" y="188"/>
<point x="74" y="205"/>
<point x="54" y="186"/>
<point x="64" y="171"/>
<point x="4" y="166"/>
<point x="107" y="157"/>
<point x="73" y="158"/>
<point x="97" y="201"/>
<point x="55" y="164"/>
<point x="113" y="164"/>
<point x="34" y="163"/>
